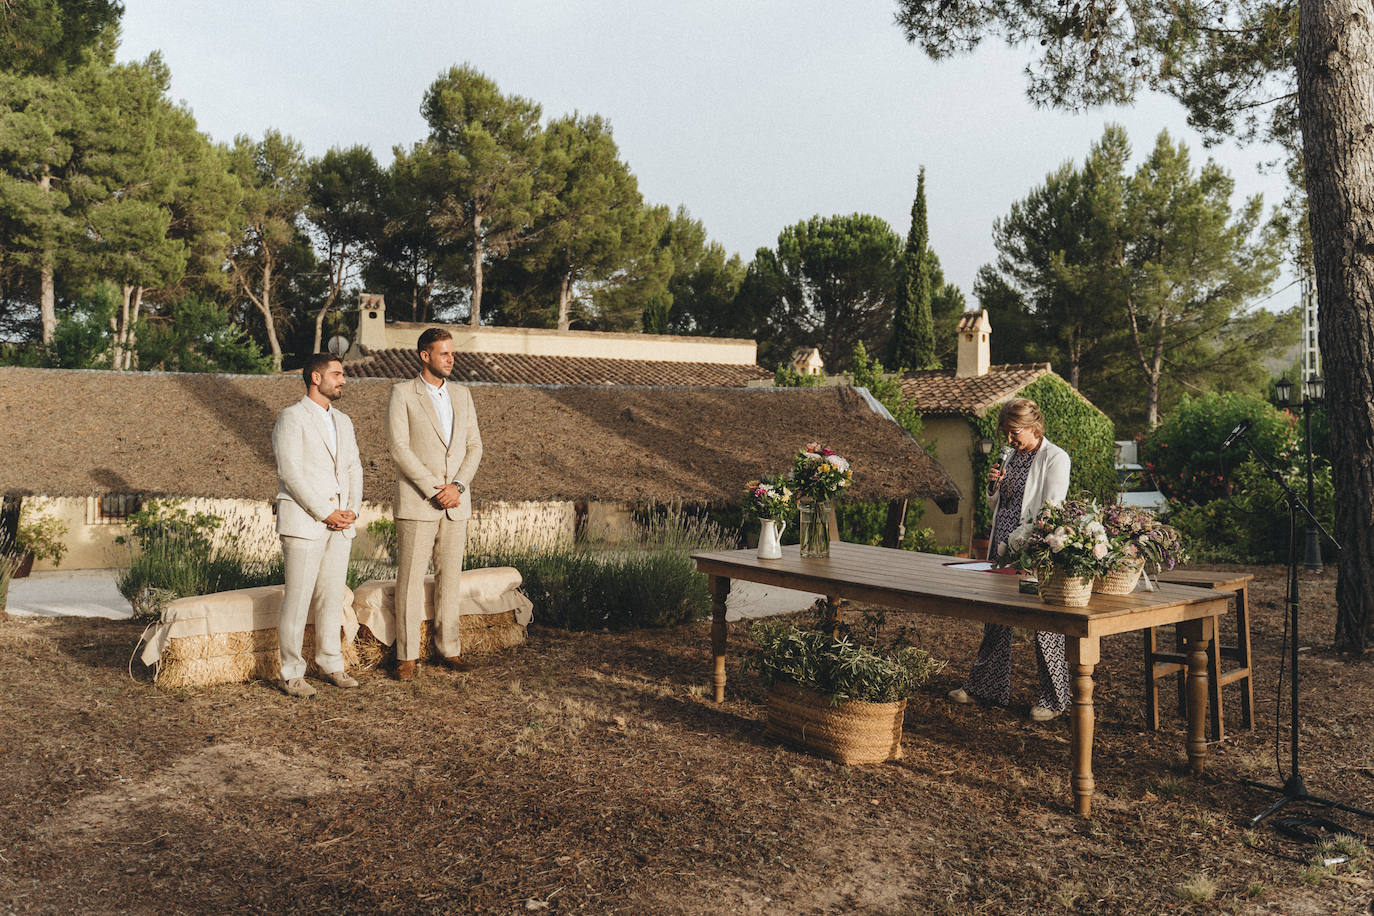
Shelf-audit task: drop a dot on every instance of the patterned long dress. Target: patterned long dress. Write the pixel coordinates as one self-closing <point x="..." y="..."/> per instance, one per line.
<point x="990" y="678"/>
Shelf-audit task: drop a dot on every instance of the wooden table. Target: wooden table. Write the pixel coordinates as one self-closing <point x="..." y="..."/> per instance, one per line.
<point x="931" y="584"/>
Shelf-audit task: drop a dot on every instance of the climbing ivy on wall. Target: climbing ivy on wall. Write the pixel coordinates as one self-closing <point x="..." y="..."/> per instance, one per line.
<point x="1070" y="423"/>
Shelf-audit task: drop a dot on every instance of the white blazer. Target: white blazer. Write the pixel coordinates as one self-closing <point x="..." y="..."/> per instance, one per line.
<point x="312" y="479"/>
<point x="1047" y="480"/>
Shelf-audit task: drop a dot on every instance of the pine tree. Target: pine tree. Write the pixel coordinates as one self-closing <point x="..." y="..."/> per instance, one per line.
<point x="913" y="328"/>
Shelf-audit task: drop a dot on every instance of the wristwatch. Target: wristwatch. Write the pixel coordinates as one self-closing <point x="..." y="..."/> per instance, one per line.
<point x="459" y="485"/>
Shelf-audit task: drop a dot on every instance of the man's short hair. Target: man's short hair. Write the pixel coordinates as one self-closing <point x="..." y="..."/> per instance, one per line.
<point x="319" y="362"/>
<point x="430" y="337"/>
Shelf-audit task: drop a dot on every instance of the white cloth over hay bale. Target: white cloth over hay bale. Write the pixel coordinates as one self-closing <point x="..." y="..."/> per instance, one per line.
<point x="494" y="614"/>
<point x="229" y="637"/>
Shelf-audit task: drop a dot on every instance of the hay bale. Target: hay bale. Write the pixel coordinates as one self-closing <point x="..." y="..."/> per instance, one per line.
<point x="493" y="615"/>
<point x="231" y="658"/>
<point x="230" y="637"/>
<point x="481" y="634"/>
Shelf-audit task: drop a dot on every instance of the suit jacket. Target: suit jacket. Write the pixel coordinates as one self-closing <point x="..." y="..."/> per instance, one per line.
<point x="423" y="461"/>
<point x="1048" y="479"/>
<point x="312" y="480"/>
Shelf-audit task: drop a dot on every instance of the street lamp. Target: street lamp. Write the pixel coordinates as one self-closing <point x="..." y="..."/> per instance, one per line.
<point x="1314" y="390"/>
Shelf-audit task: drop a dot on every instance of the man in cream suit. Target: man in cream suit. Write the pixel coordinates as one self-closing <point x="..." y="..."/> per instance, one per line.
<point x="431" y="428"/>
<point x="319" y="490"/>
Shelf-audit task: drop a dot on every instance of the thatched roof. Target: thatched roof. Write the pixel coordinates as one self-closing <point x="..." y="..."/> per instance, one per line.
<point x="70" y="433"/>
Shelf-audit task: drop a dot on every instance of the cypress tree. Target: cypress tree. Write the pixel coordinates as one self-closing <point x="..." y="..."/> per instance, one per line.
<point x="913" y="328"/>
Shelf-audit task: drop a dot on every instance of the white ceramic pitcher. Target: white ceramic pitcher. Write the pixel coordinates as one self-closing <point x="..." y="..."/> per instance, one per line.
<point x="770" y="538"/>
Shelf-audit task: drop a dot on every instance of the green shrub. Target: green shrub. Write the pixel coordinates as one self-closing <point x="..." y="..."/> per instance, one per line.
<point x="179" y="563"/>
<point x="577" y="589"/>
<point x="1251" y="526"/>
<point x="1183" y="453"/>
<point x="41" y="535"/>
<point x="835" y="666"/>
<point x="648" y="581"/>
<point x="866" y="523"/>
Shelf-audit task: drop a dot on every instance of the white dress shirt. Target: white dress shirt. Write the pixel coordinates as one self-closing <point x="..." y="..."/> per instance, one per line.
<point x="443" y="406"/>
<point x="331" y="432"/>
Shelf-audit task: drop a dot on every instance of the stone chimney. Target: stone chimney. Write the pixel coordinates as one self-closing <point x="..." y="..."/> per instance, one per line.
<point x="975" y="352"/>
<point x="372" y="321"/>
<point x="807" y="361"/>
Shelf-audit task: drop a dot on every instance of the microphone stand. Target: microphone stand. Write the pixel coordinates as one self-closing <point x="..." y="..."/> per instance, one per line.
<point x="1294" y="789"/>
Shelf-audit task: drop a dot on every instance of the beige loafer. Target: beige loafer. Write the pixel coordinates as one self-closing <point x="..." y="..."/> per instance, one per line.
<point x="1040" y="713"/>
<point x="297" y="687"/>
<point x="340" y="679"/>
<point x="961" y="696"/>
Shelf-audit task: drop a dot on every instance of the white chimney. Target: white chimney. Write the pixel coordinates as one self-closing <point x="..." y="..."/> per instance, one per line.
<point x="372" y="321"/>
<point x="975" y="351"/>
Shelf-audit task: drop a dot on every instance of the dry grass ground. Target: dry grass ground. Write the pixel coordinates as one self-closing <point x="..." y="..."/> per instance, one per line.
<point x="591" y="773"/>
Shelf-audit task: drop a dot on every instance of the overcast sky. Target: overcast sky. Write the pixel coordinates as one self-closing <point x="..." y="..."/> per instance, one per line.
<point x="754" y="114"/>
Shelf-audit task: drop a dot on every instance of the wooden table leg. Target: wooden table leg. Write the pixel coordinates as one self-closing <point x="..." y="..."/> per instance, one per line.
<point x="1083" y="657"/>
<point x="720" y="590"/>
<point x="830" y="617"/>
<point x="1197" y="635"/>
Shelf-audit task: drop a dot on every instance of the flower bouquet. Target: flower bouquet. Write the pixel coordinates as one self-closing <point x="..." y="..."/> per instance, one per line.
<point x="771" y="501"/>
<point x="1137" y="537"/>
<point x="1065" y="547"/>
<point x="817" y="476"/>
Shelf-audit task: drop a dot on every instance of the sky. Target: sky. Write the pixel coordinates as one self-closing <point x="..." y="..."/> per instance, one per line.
<point x="753" y="114"/>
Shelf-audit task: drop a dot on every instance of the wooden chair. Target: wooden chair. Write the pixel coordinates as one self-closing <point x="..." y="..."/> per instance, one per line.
<point x="1160" y="664"/>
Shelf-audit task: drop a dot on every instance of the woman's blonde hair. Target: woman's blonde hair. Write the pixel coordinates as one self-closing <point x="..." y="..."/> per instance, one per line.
<point x="1021" y="413"/>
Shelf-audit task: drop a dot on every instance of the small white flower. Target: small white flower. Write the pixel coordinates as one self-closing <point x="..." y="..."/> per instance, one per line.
<point x="1056" y="542"/>
<point x="838" y="462"/>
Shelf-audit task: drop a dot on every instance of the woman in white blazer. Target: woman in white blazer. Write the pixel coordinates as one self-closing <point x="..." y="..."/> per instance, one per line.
<point x="1035" y="472"/>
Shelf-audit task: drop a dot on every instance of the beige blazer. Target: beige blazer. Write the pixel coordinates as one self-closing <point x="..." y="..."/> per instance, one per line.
<point x="423" y="462"/>
<point x="312" y="480"/>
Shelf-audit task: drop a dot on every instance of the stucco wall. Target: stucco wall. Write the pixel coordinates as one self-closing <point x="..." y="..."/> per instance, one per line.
<point x="251" y="525"/>
<point x="373" y="333"/>
<point x="953" y="439"/>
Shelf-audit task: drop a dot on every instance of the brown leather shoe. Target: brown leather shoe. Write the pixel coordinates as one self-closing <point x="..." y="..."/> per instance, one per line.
<point x="405" y="671"/>
<point x="458" y="663"/>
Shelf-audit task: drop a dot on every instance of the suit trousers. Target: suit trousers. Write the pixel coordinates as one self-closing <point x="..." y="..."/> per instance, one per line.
<point x="417" y="542"/>
<point x="316" y="577"/>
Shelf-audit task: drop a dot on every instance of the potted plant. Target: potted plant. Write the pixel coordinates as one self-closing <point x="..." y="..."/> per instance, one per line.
<point x="841" y="700"/>
<point x="40" y="538"/>
<point x="1065" y="547"/>
<point x="771" y="500"/>
<point x="1137" y="537"/>
<point x="818" y="475"/>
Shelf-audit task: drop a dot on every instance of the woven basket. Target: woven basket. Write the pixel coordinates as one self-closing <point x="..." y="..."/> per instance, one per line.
<point x="1066" y="591"/>
<point x="851" y="732"/>
<point x="1119" y="581"/>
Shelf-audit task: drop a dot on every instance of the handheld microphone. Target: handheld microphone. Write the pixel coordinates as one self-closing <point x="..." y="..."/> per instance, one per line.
<point x="1237" y="433"/>
<point x="1002" y="463"/>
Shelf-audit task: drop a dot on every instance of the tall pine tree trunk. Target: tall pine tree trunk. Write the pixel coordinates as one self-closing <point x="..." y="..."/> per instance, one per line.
<point x="1336" y="104"/>
<point x="47" y="292"/>
<point x="475" y="312"/>
<point x="565" y="302"/>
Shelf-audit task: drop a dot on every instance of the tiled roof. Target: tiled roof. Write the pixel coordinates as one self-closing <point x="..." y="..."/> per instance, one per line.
<point x="938" y="393"/>
<point x="522" y="369"/>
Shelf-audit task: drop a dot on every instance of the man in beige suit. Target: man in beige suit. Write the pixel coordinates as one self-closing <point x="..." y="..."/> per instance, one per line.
<point x="319" y="490"/>
<point x="431" y="428"/>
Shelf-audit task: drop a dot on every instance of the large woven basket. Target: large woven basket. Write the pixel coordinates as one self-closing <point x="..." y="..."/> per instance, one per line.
<point x="1119" y="581"/>
<point x="850" y="732"/>
<point x="1066" y="591"/>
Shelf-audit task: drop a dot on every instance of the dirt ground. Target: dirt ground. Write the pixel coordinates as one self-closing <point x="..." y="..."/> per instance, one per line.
<point x="592" y="773"/>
